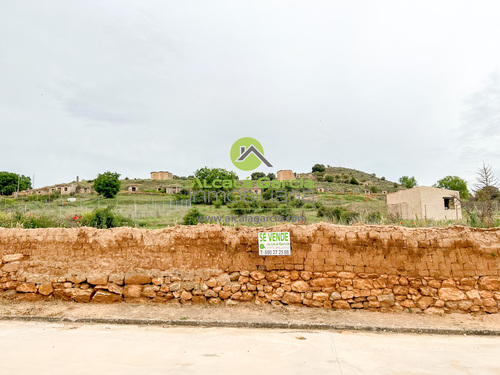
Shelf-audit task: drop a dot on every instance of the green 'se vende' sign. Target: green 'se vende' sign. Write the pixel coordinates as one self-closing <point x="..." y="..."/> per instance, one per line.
<point x="274" y="243"/>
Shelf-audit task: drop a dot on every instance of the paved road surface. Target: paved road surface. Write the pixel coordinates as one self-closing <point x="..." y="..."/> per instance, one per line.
<point x="49" y="348"/>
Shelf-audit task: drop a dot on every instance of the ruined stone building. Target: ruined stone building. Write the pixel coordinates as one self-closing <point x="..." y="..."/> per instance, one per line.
<point x="286" y="174"/>
<point x="425" y="202"/>
<point x="161" y="175"/>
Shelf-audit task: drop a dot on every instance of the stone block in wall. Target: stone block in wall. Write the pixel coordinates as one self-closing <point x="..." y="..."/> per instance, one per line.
<point x="291" y="298"/>
<point x="149" y="291"/>
<point x="199" y="299"/>
<point x="386" y="299"/>
<point x="27" y="288"/>
<point x="97" y="279"/>
<point x="341" y="305"/>
<point x="11" y="267"/>
<point x="102" y="296"/>
<point x="489" y="283"/>
<point x="132" y="291"/>
<point x="137" y="278"/>
<point x="451" y="294"/>
<point x="12" y="257"/>
<point x="45" y="289"/>
<point x="117" y="278"/>
<point x="300" y="286"/>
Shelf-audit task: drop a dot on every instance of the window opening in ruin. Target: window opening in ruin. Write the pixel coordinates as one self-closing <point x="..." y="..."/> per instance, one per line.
<point x="449" y="203"/>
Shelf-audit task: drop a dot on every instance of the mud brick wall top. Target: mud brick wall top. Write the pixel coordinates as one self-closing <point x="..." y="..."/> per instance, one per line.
<point x="414" y="252"/>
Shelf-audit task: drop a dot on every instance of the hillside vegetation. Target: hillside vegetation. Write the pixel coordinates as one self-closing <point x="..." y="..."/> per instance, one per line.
<point x="340" y="195"/>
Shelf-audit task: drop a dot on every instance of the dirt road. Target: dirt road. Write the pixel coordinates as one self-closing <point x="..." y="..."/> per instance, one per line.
<point x="66" y="348"/>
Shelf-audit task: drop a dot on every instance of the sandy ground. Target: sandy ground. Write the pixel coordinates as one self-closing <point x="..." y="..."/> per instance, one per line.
<point x="250" y="313"/>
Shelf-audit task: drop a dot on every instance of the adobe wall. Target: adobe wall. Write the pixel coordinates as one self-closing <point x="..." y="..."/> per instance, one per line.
<point x="344" y="267"/>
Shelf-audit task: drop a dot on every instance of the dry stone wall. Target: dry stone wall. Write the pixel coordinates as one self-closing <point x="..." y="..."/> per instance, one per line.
<point x="383" y="268"/>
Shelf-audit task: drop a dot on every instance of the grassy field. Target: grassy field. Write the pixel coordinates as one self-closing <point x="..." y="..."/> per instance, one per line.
<point x="160" y="210"/>
<point x="151" y="209"/>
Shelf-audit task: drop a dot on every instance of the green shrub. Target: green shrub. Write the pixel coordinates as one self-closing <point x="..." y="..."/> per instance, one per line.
<point x="103" y="218"/>
<point x="28" y="220"/>
<point x="319" y="176"/>
<point x="374" y="189"/>
<point x="268" y="206"/>
<point x="32" y="198"/>
<point x="181" y="197"/>
<point x="329" y="178"/>
<point x="331" y="213"/>
<point x="350" y="217"/>
<point x="191" y="218"/>
<point x="40" y="221"/>
<point x="242" y="208"/>
<point x="374" y="217"/>
<point x="473" y="220"/>
<point x="339" y="214"/>
<point x="353" y="181"/>
<point x="296" y="203"/>
<point x="284" y="210"/>
<point x="184" y="191"/>
<point x="5" y="220"/>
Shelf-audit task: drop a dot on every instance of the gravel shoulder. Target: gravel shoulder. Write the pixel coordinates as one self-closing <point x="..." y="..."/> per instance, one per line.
<point x="252" y="315"/>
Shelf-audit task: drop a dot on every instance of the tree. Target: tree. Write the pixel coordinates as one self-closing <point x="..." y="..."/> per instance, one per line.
<point x="353" y="181"/>
<point x="271" y="176"/>
<point x="408" y="182"/>
<point x="204" y="179"/>
<point x="9" y="183"/>
<point x="318" y="168"/>
<point x="107" y="184"/>
<point x="454" y="183"/>
<point x="209" y="175"/>
<point x="485" y="190"/>
<point x="257" y="175"/>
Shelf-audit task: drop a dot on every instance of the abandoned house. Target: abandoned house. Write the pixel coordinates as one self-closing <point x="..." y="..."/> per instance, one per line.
<point x="67" y="189"/>
<point x="286" y="174"/>
<point x="173" y="189"/>
<point x="133" y="188"/>
<point x="161" y="175"/>
<point x="84" y="190"/>
<point x="425" y="202"/>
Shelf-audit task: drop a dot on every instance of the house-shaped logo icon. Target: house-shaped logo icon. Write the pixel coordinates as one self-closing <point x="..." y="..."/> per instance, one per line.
<point x="246" y="152"/>
<point x="242" y="151"/>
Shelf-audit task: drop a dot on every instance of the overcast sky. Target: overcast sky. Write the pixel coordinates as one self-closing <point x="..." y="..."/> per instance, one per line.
<point x="388" y="87"/>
